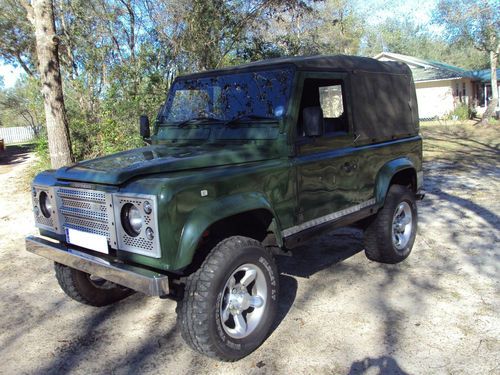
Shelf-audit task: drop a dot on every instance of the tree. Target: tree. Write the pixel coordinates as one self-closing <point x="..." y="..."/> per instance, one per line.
<point x="406" y="37"/>
<point x="304" y="28"/>
<point x="21" y="105"/>
<point x="17" y="41"/>
<point x="207" y="34"/>
<point x="41" y="15"/>
<point x="478" y="22"/>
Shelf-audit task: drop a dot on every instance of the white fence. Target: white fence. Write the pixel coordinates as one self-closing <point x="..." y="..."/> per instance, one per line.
<point x="17" y="134"/>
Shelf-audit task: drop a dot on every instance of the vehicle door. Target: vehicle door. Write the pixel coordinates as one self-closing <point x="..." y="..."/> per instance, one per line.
<point x="327" y="165"/>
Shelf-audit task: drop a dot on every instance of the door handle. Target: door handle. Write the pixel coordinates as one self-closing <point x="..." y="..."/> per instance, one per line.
<point x="349" y="166"/>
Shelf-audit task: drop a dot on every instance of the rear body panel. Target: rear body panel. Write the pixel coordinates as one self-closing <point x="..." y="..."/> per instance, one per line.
<point x="336" y="179"/>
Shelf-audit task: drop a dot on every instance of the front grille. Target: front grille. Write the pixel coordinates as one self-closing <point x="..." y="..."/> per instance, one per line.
<point x="94" y="211"/>
<point x="87" y="211"/>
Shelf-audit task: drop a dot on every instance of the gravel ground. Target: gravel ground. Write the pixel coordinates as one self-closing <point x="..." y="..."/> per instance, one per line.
<point x="436" y="313"/>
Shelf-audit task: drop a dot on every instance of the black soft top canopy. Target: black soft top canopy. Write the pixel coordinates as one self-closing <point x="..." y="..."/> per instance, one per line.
<point x="384" y="102"/>
<point x="338" y="63"/>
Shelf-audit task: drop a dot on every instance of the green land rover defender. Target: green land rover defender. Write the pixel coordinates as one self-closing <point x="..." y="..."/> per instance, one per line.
<point x="243" y="163"/>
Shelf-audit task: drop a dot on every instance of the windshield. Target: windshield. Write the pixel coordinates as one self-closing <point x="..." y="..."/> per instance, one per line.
<point x="258" y="94"/>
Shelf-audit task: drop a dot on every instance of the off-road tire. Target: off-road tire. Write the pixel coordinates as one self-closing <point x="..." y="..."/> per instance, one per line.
<point x="378" y="240"/>
<point x="198" y="313"/>
<point x="77" y="285"/>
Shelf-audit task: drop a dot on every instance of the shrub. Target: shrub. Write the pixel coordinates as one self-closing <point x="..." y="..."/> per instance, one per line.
<point x="42" y="149"/>
<point x="462" y="112"/>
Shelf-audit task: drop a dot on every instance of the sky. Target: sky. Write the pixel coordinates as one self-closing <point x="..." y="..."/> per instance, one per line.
<point x="377" y="11"/>
<point x="374" y="11"/>
<point x="9" y="74"/>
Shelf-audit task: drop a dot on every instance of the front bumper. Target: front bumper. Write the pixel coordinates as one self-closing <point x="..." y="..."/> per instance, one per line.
<point x="136" y="278"/>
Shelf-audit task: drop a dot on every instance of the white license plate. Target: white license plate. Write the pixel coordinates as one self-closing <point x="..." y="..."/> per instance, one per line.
<point x="90" y="241"/>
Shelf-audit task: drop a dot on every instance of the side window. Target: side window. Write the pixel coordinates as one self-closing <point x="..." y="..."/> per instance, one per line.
<point x="329" y="95"/>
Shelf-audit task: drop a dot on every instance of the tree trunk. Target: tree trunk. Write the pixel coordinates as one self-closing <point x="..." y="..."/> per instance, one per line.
<point x="41" y="15"/>
<point x="492" y="105"/>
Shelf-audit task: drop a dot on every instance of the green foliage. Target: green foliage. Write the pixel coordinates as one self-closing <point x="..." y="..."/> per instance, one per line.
<point x="40" y="163"/>
<point x="109" y="123"/>
<point x="477" y="22"/>
<point x="304" y="28"/>
<point x="461" y="112"/>
<point x="42" y="149"/>
<point x="407" y="38"/>
<point x="107" y="136"/>
<point x="17" y="41"/>
<point x="22" y="104"/>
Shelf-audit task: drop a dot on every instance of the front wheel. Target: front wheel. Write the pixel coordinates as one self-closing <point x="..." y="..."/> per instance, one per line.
<point x="231" y="301"/>
<point x="88" y="289"/>
<point x="390" y="236"/>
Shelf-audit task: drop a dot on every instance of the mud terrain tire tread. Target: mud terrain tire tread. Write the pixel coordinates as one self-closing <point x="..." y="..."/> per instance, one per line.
<point x="193" y="311"/>
<point x="76" y="285"/>
<point x="378" y="235"/>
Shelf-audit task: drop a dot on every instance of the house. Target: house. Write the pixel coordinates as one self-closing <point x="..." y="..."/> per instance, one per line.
<point x="482" y="80"/>
<point x="442" y="87"/>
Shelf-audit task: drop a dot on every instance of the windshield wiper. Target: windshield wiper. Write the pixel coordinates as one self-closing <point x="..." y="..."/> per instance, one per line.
<point x="200" y="118"/>
<point x="247" y="116"/>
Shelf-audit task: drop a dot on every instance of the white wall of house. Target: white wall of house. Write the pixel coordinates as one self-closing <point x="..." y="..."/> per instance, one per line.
<point x="435" y="98"/>
<point x="440" y="98"/>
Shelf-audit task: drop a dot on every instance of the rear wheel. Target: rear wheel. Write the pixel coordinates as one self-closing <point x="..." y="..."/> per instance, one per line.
<point x="230" y="302"/>
<point x="88" y="289"/>
<point x="390" y="236"/>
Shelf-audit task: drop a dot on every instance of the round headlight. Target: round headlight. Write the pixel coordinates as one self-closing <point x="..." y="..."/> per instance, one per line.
<point x="131" y="219"/>
<point x="148" y="208"/>
<point x="150" y="234"/>
<point x="45" y="204"/>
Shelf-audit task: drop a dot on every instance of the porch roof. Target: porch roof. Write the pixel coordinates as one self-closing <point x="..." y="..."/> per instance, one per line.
<point x="483" y="75"/>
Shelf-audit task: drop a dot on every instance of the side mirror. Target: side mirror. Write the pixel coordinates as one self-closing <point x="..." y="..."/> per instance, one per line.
<point x="313" y="121"/>
<point x="144" y="127"/>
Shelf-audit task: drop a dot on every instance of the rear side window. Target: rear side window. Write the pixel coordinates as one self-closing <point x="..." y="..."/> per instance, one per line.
<point x="329" y="95"/>
<point x="385" y="106"/>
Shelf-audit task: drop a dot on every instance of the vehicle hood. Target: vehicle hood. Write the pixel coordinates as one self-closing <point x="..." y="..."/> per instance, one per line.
<point x="117" y="168"/>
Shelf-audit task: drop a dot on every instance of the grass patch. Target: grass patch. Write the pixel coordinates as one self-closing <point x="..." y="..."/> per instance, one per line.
<point x="462" y="145"/>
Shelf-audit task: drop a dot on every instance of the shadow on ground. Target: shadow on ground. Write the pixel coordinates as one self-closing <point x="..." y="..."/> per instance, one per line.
<point x="383" y="365"/>
<point x="15" y="154"/>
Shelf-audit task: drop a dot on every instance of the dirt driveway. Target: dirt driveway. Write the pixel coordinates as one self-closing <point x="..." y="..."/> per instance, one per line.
<point x="436" y="313"/>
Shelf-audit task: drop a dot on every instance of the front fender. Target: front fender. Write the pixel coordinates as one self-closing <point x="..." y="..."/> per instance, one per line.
<point x="385" y="175"/>
<point x="203" y="216"/>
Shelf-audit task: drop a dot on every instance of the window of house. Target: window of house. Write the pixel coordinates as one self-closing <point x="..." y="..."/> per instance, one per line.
<point x="329" y="95"/>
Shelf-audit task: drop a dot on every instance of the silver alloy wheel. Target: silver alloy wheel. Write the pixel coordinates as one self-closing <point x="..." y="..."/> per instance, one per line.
<point x="243" y="301"/>
<point x="402" y="225"/>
